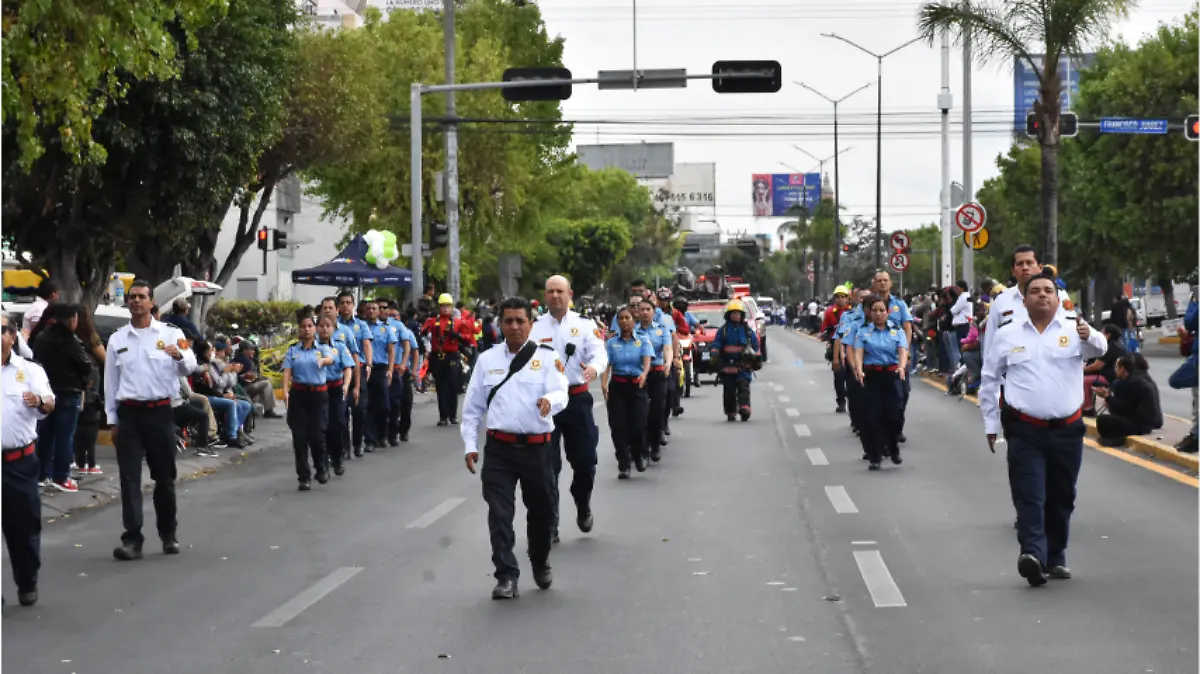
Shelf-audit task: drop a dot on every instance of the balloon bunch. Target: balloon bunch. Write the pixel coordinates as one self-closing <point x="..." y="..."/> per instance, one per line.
<point x="381" y="248"/>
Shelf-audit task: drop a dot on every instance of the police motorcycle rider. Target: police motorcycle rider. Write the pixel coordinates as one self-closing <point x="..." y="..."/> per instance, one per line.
<point x="735" y="352"/>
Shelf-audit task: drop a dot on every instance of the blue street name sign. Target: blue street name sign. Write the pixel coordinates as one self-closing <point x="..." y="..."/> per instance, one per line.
<point x="1127" y="125"/>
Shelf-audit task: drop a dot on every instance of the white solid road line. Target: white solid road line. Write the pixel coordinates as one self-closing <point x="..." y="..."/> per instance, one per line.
<point x="817" y="457"/>
<point x="862" y="543"/>
<point x="792" y="412"/>
<point x="880" y="584"/>
<point x="802" y="430"/>
<point x="784" y="399"/>
<point x="840" y="499"/>
<point x="282" y="615"/>
<point x="437" y="513"/>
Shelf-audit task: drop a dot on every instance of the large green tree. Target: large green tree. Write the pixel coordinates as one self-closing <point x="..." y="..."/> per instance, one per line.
<point x="65" y="61"/>
<point x="1020" y="29"/>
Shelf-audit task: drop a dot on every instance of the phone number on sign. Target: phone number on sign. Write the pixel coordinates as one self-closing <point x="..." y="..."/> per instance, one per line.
<point x="680" y="197"/>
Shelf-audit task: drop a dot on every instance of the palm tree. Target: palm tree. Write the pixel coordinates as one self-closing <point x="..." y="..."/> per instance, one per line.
<point x="1018" y="29"/>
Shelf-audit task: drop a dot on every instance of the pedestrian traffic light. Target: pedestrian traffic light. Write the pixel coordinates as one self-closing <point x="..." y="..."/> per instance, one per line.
<point x="549" y="92"/>
<point x="769" y="81"/>
<point x="1068" y="125"/>
<point x="1031" y="125"/>
<point x="439" y="237"/>
<point x="1191" y="127"/>
<point x="279" y="239"/>
<point x="263" y="238"/>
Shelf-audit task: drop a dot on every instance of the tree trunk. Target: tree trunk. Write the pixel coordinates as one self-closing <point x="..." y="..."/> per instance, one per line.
<point x="1049" y="252"/>
<point x="247" y="229"/>
<point x="1168" y="290"/>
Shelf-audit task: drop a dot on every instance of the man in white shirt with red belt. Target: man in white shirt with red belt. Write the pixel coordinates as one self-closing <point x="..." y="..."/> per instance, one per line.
<point x="1039" y="357"/>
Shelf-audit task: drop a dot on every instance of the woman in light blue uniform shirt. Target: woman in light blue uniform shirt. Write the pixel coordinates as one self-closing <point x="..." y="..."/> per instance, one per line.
<point x="338" y="377"/>
<point x="305" y="393"/>
<point x="624" y="386"/>
<point x="881" y="356"/>
<point x="656" y="381"/>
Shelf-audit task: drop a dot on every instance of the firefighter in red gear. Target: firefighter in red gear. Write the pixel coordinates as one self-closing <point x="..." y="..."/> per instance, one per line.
<point x="449" y="338"/>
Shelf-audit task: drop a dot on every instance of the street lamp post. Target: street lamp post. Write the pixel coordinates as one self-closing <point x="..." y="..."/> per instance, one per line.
<point x="837" y="192"/>
<point x="878" y="137"/>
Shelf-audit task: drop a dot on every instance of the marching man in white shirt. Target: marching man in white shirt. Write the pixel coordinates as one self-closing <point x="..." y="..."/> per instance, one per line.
<point x="519" y="427"/>
<point x="1039" y="356"/>
<point x="581" y="345"/>
<point x="27" y="399"/>
<point x="145" y="361"/>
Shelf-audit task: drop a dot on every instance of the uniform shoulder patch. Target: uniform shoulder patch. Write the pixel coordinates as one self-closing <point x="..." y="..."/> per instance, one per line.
<point x="599" y="333"/>
<point x="181" y="343"/>
<point x="558" y="365"/>
<point x="546" y="346"/>
<point x="1007" y="313"/>
<point x="1005" y="322"/>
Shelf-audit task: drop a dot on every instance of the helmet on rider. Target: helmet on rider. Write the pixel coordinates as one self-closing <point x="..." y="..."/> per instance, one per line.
<point x="735" y="305"/>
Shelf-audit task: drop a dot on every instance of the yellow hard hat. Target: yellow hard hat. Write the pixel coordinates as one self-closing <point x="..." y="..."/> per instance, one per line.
<point x="1052" y="268"/>
<point x="997" y="289"/>
<point x="735" y="305"/>
<point x="445" y="299"/>
<point x="841" y="290"/>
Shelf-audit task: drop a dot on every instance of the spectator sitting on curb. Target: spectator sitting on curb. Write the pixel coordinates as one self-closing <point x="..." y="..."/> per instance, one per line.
<point x="1133" y="404"/>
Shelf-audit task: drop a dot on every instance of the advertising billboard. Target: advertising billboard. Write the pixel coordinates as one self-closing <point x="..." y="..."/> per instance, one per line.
<point x="1026" y="88"/>
<point x="391" y="5"/>
<point x="641" y="160"/>
<point x="774" y="194"/>
<point x="690" y="185"/>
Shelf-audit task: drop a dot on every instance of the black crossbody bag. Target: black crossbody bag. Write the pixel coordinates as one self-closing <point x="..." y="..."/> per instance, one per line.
<point x="523" y="356"/>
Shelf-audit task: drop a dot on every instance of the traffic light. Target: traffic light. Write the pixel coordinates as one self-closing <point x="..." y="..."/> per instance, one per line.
<point x="770" y="83"/>
<point x="550" y="92"/>
<point x="439" y="237"/>
<point x="263" y="237"/>
<point x="279" y="239"/>
<point x="1068" y="125"/>
<point x="1031" y="125"/>
<point x="1191" y="127"/>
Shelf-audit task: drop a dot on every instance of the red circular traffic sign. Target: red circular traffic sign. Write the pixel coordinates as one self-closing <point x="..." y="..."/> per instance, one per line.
<point x="900" y="240"/>
<point x="970" y="217"/>
<point x="899" y="262"/>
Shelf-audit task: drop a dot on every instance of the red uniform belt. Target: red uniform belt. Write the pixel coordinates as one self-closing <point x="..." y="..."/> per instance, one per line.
<point x="336" y="383"/>
<point x="1044" y="423"/>
<point x="310" y="388"/>
<point x="519" y="439"/>
<point x="881" y="368"/>
<point x="625" y="379"/>
<point x="18" y="453"/>
<point x="576" y="390"/>
<point x="147" y="403"/>
<point x="656" y="368"/>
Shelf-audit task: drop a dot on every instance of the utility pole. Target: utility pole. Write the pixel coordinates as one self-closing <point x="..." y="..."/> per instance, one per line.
<point x="945" y="100"/>
<point x="453" y="280"/>
<point x="968" y="188"/>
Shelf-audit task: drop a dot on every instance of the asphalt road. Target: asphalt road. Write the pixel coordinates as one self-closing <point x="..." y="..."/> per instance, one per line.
<point x="1164" y="359"/>
<point x="740" y="552"/>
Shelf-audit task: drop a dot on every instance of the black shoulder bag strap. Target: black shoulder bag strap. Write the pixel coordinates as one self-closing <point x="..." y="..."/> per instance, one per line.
<point x="523" y="356"/>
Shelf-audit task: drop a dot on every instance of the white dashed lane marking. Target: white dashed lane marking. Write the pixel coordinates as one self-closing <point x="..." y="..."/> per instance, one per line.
<point x="840" y="500"/>
<point x="817" y="457"/>
<point x="785" y="399"/>
<point x="884" y="591"/>
<point x="792" y="412"/>
<point x="282" y="615"/>
<point x="439" y="511"/>
<point x="802" y="430"/>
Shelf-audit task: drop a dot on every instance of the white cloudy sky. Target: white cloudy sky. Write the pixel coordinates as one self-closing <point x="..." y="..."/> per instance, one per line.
<point x="693" y="34"/>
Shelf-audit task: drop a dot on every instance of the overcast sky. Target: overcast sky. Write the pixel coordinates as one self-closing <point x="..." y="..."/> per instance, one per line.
<point x="693" y="34"/>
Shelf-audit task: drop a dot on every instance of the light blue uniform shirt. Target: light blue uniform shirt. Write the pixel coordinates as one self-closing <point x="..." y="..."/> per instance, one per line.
<point x="849" y="319"/>
<point x="658" y="336"/>
<point x="358" y="327"/>
<point x="341" y="360"/>
<point x="898" y="311"/>
<point x="343" y="334"/>
<point x="625" y="355"/>
<point x="661" y="318"/>
<point x="881" y="346"/>
<point x="403" y="334"/>
<point x="382" y="334"/>
<point x="303" y="363"/>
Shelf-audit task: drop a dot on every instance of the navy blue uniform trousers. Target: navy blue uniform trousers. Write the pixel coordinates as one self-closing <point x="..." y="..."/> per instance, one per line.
<point x="1043" y="465"/>
<point x="575" y="431"/>
<point x="22" y="519"/>
<point x="881" y="413"/>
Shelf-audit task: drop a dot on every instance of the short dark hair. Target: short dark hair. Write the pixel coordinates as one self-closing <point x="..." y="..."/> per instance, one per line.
<point x="870" y="300"/>
<point x="516" y="303"/>
<point x="329" y="299"/>
<point x="47" y="289"/>
<point x="1023" y="248"/>
<point x="1134" y="362"/>
<point x="1045" y="274"/>
<point x="429" y="287"/>
<point x="638" y="282"/>
<point x="961" y="283"/>
<point x="142" y="283"/>
<point x="1111" y="331"/>
<point x="344" y="293"/>
<point x="305" y="312"/>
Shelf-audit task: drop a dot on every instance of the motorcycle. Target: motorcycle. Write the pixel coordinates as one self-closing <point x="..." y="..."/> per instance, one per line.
<point x="686" y="352"/>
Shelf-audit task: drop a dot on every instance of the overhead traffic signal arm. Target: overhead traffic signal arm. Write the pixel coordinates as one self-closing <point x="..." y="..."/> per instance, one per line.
<point x="750" y="77"/>
<point x="1068" y="125"/>
<point x="1191" y="127"/>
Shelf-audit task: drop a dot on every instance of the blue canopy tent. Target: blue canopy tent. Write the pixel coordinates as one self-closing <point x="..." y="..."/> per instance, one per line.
<point x="351" y="269"/>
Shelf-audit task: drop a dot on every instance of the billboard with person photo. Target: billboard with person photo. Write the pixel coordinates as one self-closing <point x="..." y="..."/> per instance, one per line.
<point x="775" y="194"/>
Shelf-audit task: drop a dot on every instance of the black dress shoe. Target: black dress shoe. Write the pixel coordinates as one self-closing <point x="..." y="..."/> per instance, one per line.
<point x="639" y="462"/>
<point x="339" y="470"/>
<point x="841" y="409"/>
<point x="404" y="437"/>
<point x="544" y="578"/>
<point x="730" y="417"/>
<point x="170" y="546"/>
<point x="305" y="485"/>
<point x="393" y="442"/>
<point x="623" y="474"/>
<point x="585" y="521"/>
<point x="322" y="477"/>
<point x="27" y="598"/>
<point x="554" y="538"/>
<point x="866" y="457"/>
<point x="443" y="422"/>
<point x="369" y="447"/>
<point x="358" y="452"/>
<point x="874" y="466"/>
<point x="1059" y="572"/>
<point x="505" y="589"/>
<point x="656" y="455"/>
<point x="128" y="552"/>
<point x="1030" y="568"/>
<point x="453" y="421"/>
<point x="662" y="440"/>
<point x="896" y="457"/>
<point x="902" y="438"/>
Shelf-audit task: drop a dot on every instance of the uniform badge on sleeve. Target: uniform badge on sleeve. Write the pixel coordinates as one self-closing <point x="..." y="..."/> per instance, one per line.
<point x="535" y="365"/>
<point x="599" y="333"/>
<point x="182" y="343"/>
<point x="1063" y="340"/>
<point x="1068" y="305"/>
<point x="558" y="365"/>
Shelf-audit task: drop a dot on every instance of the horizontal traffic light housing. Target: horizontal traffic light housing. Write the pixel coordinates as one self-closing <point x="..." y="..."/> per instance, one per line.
<point x="549" y="92"/>
<point x="769" y="83"/>
<point x="1068" y="125"/>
